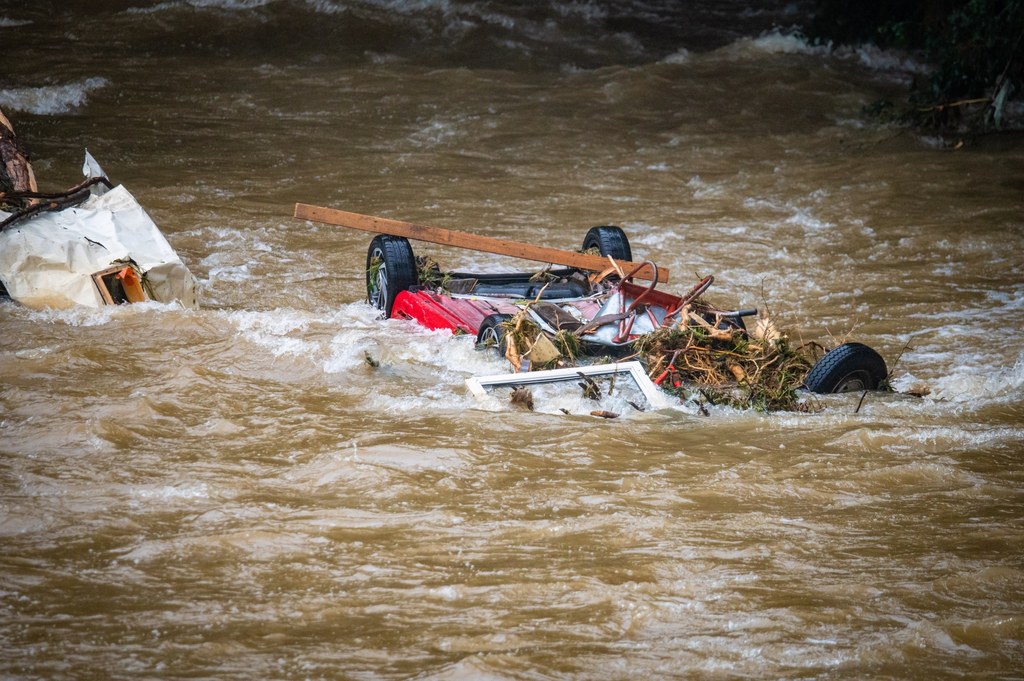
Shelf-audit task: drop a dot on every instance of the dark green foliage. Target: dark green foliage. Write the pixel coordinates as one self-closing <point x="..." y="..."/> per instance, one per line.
<point x="887" y="23"/>
<point x="975" y="46"/>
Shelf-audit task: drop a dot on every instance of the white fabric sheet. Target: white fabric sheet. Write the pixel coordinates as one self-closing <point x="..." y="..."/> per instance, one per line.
<point x="48" y="260"/>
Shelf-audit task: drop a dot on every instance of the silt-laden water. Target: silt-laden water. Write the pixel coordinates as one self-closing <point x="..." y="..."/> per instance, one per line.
<point x="235" y="492"/>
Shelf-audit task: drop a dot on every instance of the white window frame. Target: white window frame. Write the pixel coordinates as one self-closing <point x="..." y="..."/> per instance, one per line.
<point x="655" y="397"/>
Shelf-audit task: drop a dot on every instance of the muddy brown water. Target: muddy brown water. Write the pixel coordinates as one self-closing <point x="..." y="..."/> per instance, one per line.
<point x="234" y="492"/>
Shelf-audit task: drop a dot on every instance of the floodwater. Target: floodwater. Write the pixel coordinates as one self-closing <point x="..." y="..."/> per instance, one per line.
<point x="235" y="493"/>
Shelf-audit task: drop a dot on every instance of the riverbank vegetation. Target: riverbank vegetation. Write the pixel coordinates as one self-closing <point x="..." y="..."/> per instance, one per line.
<point x="974" y="46"/>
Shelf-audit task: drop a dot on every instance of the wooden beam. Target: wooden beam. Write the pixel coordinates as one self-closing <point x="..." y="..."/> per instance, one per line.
<point x="15" y="168"/>
<point x="447" y="237"/>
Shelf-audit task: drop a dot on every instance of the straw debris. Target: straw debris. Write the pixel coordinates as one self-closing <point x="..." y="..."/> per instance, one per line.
<point x="705" y="357"/>
<point x="726" y="366"/>
<point x="430" y="273"/>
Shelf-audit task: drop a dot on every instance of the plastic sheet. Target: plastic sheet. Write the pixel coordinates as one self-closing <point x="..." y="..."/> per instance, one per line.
<point x="48" y="260"/>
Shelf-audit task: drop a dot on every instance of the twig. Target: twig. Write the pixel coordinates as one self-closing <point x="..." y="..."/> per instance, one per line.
<point x="60" y="195"/>
<point x="863" y="395"/>
<point x="888" y="375"/>
<point x="962" y="102"/>
<point x="60" y="201"/>
<point x="764" y="300"/>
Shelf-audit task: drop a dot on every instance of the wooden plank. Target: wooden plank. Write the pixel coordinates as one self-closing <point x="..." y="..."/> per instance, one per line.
<point x="474" y="242"/>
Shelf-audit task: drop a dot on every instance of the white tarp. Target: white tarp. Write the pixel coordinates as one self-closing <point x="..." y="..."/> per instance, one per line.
<point x="48" y="260"/>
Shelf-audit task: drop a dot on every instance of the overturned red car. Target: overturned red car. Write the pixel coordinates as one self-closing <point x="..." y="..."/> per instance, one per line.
<point x="607" y="311"/>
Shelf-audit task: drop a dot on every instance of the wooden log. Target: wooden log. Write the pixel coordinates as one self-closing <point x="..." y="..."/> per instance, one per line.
<point x="474" y="242"/>
<point x="15" y="170"/>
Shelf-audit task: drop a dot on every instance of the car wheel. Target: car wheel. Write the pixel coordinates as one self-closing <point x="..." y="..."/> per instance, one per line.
<point x="850" y="367"/>
<point x="608" y="240"/>
<point x="492" y="333"/>
<point x="390" y="268"/>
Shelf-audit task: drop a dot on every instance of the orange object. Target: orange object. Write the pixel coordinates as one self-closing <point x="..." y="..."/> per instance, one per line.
<point x="132" y="285"/>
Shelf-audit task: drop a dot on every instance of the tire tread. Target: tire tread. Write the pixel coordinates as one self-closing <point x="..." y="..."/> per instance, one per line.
<point x="400" y="263"/>
<point x="609" y="240"/>
<point x="838" y="363"/>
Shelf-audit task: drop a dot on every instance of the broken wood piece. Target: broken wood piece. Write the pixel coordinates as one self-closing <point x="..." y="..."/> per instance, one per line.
<point x="604" y="414"/>
<point x="617" y="267"/>
<point x="522" y="397"/>
<point x="119" y="284"/>
<point x="512" y="352"/>
<point x="473" y="242"/>
<point x="15" y="169"/>
<point x="737" y="372"/>
<point x="591" y="389"/>
<point x="543" y="351"/>
<point x="717" y="334"/>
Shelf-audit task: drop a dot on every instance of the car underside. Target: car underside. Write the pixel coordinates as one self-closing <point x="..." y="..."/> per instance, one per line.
<point x="560" y="317"/>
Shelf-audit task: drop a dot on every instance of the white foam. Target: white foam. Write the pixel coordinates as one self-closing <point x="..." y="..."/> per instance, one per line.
<point x="280" y="331"/>
<point x="12" y="23"/>
<point x="805" y="219"/>
<point x="705" y="190"/>
<point x="198" y="490"/>
<point x="590" y="11"/>
<point x="399" y="6"/>
<point x="325" y="6"/>
<point x="200" y="4"/>
<point x="435" y="133"/>
<point x="774" y="42"/>
<point x="159" y="7"/>
<point x="680" y="56"/>
<point x="51" y="99"/>
<point x="232" y="273"/>
<point x="90" y="316"/>
<point x="789" y="42"/>
<point x="229" y="4"/>
<point x="970" y="383"/>
<point x="878" y="59"/>
<point x="349" y="349"/>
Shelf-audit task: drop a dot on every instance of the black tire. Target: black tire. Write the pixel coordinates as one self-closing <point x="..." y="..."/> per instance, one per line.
<point x="492" y="333"/>
<point x="850" y="367"/>
<point x="608" y="240"/>
<point x="390" y="268"/>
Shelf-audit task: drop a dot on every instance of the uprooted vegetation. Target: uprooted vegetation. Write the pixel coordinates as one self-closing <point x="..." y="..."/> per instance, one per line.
<point x="691" y="362"/>
<point x="698" y="360"/>
<point x="730" y="369"/>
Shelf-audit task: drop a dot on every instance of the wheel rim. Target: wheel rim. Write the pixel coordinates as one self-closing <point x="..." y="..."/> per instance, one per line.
<point x="378" y="292"/>
<point x="855" y="382"/>
<point x="489" y="338"/>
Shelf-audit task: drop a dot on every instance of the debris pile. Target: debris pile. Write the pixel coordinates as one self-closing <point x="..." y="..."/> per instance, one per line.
<point x="729" y="367"/>
<point x="90" y="245"/>
<point x="702" y="355"/>
<point x="691" y="360"/>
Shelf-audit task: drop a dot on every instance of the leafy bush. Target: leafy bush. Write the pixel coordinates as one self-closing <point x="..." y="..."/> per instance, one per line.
<point x="975" y="46"/>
